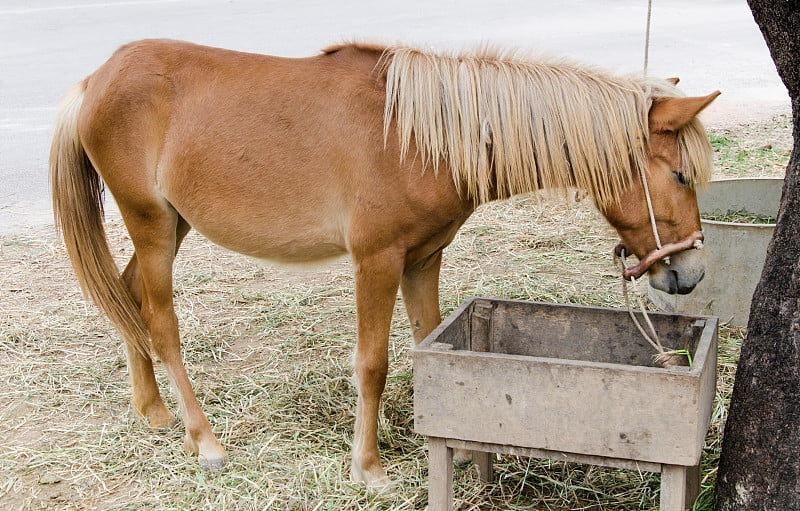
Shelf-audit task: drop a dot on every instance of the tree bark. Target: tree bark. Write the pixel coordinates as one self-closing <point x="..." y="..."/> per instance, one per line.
<point x="759" y="467"/>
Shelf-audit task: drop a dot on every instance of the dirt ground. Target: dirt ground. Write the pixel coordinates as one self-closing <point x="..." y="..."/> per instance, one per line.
<point x="269" y="351"/>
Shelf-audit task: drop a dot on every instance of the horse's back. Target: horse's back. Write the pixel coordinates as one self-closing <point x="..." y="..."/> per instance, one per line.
<point x="262" y="154"/>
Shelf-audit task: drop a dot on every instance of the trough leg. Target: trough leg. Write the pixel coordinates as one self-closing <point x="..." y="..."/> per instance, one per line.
<point x="673" y="488"/>
<point x="692" y="485"/>
<point x="440" y="475"/>
<point x="483" y="460"/>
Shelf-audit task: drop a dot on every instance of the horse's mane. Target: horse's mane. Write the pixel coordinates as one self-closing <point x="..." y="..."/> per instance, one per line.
<point x="505" y="124"/>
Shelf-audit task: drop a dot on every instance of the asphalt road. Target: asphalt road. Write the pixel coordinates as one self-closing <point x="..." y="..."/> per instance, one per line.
<point x="47" y="45"/>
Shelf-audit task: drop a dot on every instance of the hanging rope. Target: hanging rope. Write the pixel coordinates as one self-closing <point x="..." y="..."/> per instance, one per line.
<point x="647" y="37"/>
<point x="663" y="356"/>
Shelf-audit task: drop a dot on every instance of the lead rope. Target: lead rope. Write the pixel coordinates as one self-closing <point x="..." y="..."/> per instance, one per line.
<point x="663" y="357"/>
<point x="654" y="341"/>
<point x="650" y="211"/>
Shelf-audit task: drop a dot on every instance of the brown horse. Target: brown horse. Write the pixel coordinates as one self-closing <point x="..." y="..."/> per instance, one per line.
<point x="379" y="153"/>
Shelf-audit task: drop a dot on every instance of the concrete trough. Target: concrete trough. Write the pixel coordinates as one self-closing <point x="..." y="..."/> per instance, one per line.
<point x="564" y="382"/>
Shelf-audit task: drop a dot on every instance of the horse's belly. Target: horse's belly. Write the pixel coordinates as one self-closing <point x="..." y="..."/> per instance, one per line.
<point x="297" y="217"/>
<point x="267" y="226"/>
<point x="291" y="245"/>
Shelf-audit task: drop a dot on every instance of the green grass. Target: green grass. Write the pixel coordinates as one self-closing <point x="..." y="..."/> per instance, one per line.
<point x="735" y="158"/>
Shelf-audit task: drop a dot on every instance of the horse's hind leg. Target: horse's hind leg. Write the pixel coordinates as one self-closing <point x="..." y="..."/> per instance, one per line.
<point x="146" y="397"/>
<point x="155" y="235"/>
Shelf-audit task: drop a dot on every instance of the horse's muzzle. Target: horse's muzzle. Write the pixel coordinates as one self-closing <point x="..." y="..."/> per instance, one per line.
<point x="694" y="240"/>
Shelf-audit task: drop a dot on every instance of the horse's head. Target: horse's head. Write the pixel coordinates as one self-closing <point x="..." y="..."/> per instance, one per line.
<point x="677" y="152"/>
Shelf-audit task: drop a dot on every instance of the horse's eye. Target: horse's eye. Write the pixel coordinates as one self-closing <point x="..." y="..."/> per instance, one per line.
<point x="679" y="177"/>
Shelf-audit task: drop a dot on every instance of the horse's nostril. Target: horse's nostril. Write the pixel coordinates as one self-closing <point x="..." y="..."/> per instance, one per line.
<point x="686" y="286"/>
<point x="673" y="282"/>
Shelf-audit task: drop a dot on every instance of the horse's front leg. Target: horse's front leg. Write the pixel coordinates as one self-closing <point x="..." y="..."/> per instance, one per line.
<point x="420" y="286"/>
<point x="377" y="278"/>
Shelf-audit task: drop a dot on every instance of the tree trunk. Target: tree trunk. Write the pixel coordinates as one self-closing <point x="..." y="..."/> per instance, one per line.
<point x="760" y="463"/>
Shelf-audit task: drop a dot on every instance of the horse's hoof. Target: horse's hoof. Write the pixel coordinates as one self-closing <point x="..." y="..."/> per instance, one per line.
<point x="212" y="465"/>
<point x="161" y="421"/>
<point x="210" y="453"/>
<point x="156" y="414"/>
<point x="462" y="458"/>
<point x="375" y="479"/>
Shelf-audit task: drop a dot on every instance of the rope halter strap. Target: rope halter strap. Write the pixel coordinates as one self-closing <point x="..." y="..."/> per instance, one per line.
<point x="632" y="273"/>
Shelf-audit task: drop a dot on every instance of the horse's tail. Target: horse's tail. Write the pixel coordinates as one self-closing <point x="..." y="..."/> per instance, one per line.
<point x="78" y="213"/>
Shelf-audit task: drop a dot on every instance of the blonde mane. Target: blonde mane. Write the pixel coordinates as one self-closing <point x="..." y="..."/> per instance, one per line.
<point x="505" y="125"/>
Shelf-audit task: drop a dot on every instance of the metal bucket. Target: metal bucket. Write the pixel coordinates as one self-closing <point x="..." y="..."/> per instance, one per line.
<point x="735" y="251"/>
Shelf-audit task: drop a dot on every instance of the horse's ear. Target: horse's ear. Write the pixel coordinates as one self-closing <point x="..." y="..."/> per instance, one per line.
<point x="674" y="80"/>
<point x="674" y="113"/>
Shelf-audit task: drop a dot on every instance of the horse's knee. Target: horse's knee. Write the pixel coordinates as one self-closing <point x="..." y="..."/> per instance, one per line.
<point x="369" y="373"/>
